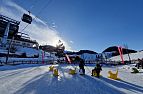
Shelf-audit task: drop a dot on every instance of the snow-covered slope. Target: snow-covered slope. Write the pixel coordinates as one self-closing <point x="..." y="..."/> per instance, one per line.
<point x="30" y="54"/>
<point x="37" y="79"/>
<point x="133" y="56"/>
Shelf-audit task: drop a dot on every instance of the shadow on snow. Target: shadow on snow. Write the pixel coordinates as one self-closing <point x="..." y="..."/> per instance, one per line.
<point x="66" y="84"/>
<point x="124" y="85"/>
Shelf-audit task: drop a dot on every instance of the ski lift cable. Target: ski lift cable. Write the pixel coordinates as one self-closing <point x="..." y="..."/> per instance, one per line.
<point x="38" y="13"/>
<point x="33" y="5"/>
<point x="24" y="27"/>
<point x="46" y="5"/>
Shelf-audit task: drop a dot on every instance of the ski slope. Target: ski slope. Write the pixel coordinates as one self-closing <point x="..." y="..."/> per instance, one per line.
<point x="133" y="56"/>
<point x="37" y="79"/>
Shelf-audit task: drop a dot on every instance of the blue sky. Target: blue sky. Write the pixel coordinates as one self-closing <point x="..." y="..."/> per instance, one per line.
<point x="92" y="24"/>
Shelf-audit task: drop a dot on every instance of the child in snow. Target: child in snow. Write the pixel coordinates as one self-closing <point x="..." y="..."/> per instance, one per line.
<point x="97" y="69"/>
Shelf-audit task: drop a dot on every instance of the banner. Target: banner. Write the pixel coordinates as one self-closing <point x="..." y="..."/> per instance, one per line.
<point x="121" y="53"/>
<point x="68" y="58"/>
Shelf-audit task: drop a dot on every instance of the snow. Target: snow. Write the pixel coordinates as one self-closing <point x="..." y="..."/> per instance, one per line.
<point x="37" y="79"/>
<point x="29" y="51"/>
<point x="133" y="56"/>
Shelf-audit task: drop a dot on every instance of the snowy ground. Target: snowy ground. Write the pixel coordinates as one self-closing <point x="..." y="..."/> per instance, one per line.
<point x="133" y="56"/>
<point x="37" y="79"/>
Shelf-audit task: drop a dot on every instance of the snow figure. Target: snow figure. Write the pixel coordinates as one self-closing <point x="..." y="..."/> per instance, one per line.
<point x="55" y="72"/>
<point x="113" y="75"/>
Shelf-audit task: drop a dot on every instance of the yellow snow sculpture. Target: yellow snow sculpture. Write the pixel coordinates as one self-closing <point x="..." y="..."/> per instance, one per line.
<point x="113" y="75"/>
<point x="55" y="72"/>
<point x="51" y="68"/>
<point x="72" y="71"/>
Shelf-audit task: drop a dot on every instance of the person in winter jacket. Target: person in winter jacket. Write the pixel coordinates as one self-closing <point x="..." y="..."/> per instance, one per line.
<point x="97" y="69"/>
<point x="81" y="66"/>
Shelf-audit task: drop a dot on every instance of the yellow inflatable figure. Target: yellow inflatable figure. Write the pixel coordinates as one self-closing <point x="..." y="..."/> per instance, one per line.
<point x="55" y="72"/>
<point x="72" y="71"/>
<point x="94" y="73"/>
<point x="51" y="68"/>
<point x="113" y="75"/>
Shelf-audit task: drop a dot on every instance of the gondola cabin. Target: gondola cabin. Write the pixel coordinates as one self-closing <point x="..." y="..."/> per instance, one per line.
<point x="27" y="18"/>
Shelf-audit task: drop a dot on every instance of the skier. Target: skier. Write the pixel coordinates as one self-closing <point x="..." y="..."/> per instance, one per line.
<point x="81" y="66"/>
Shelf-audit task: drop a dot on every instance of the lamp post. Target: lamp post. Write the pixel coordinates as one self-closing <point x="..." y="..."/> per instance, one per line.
<point x="9" y="47"/>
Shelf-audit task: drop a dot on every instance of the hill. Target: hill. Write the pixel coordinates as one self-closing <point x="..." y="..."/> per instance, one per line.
<point x="115" y="51"/>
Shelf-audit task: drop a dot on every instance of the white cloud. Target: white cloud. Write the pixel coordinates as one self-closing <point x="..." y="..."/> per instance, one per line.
<point x="38" y="30"/>
<point x="71" y="42"/>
